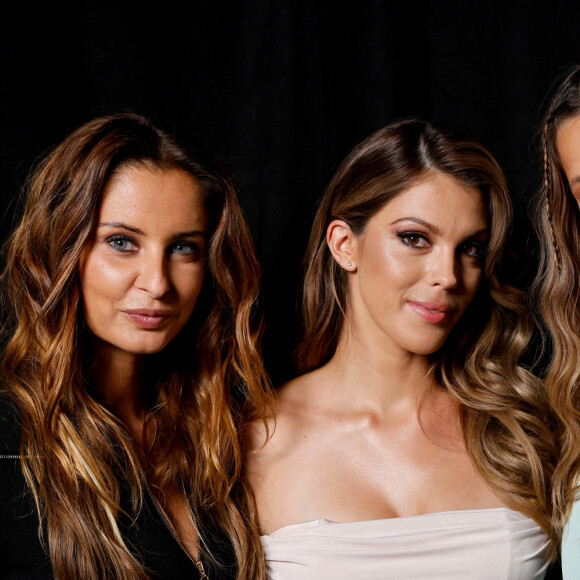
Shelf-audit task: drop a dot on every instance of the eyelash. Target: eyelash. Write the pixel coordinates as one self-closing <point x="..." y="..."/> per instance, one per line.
<point x="480" y="248"/>
<point x="194" y="248"/>
<point x="119" y="238"/>
<point x="403" y="236"/>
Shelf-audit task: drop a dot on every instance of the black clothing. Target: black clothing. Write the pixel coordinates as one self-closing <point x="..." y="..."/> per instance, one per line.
<point x="22" y="556"/>
<point x="554" y="572"/>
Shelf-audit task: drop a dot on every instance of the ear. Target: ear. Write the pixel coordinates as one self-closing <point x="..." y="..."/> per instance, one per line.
<point x="342" y="244"/>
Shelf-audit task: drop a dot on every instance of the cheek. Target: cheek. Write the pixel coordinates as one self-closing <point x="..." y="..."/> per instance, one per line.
<point x="471" y="282"/>
<point x="474" y="279"/>
<point x="395" y="264"/>
<point x="101" y="278"/>
<point x="102" y="284"/>
<point x="387" y="273"/>
<point x="380" y="258"/>
<point x="188" y="284"/>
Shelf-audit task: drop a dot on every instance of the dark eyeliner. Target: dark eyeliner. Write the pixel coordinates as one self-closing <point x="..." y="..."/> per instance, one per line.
<point x="481" y="249"/>
<point x="406" y="234"/>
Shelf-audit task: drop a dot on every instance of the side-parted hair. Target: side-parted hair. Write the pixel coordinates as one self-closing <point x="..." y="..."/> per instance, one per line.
<point x="557" y="292"/>
<point x="207" y="383"/>
<point x="504" y="410"/>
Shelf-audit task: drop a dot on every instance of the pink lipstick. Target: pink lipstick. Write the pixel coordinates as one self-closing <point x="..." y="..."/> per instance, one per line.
<point x="434" y="312"/>
<point x="146" y="318"/>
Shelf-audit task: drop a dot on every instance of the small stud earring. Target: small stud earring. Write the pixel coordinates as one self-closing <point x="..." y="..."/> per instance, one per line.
<point x="349" y="264"/>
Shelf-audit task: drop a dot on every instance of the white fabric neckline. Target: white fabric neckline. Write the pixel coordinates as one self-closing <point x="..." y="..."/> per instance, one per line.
<point x="297" y="528"/>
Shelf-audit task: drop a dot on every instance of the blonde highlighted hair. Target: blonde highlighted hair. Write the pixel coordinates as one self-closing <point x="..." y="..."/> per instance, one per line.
<point x="557" y="292"/>
<point x="504" y="410"/>
<point x="206" y="386"/>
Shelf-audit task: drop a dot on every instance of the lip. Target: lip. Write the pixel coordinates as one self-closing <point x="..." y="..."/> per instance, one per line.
<point x="148" y="318"/>
<point x="434" y="312"/>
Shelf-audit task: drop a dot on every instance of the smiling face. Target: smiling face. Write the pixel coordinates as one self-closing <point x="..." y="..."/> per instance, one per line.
<point x="143" y="270"/>
<point x="568" y="145"/>
<point x="417" y="265"/>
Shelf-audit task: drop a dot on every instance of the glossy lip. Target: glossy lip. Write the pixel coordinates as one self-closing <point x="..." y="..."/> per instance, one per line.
<point x="434" y="312"/>
<point x="147" y="318"/>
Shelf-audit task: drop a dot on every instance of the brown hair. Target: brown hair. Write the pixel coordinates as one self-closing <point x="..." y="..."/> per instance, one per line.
<point x="210" y="384"/>
<point x="557" y="292"/>
<point x="503" y="409"/>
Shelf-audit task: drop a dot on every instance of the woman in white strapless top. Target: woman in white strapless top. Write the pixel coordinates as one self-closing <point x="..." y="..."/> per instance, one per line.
<point x="488" y="544"/>
<point x="415" y="445"/>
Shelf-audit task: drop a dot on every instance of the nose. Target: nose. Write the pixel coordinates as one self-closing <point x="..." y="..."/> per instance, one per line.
<point x="444" y="269"/>
<point x="153" y="275"/>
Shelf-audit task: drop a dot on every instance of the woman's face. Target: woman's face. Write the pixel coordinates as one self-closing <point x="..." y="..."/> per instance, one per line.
<point x="568" y="145"/>
<point x="418" y="264"/>
<point x="143" y="270"/>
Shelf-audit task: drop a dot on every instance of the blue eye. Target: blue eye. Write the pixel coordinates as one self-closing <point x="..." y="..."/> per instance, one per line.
<point x="121" y="243"/>
<point x="185" y="248"/>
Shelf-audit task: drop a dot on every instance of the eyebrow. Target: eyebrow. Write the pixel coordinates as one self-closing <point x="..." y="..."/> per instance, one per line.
<point x="435" y="229"/>
<point x="188" y="234"/>
<point x="419" y="221"/>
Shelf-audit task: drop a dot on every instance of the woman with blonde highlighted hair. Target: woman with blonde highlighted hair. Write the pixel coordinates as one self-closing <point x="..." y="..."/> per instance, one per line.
<point x="558" y="298"/>
<point x="130" y="365"/>
<point x="416" y="444"/>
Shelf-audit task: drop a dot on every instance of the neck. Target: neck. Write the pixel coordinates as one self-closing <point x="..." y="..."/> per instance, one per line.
<point x="118" y="378"/>
<point x="377" y="374"/>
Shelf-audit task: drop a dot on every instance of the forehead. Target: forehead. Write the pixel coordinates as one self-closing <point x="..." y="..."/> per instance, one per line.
<point x="170" y="197"/>
<point x="441" y="200"/>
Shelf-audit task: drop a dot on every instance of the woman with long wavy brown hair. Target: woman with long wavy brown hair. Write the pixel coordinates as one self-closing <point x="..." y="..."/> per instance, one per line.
<point x="416" y="445"/>
<point x="130" y="366"/>
<point x="558" y="294"/>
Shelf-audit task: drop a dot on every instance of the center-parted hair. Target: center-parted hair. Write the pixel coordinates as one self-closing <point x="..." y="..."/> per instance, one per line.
<point x="504" y="410"/>
<point x="203" y="388"/>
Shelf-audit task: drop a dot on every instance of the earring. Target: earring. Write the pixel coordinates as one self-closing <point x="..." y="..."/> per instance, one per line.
<point x="349" y="264"/>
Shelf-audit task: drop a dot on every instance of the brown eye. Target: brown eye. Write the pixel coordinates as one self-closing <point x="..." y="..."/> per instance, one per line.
<point x="413" y="239"/>
<point x="473" y="250"/>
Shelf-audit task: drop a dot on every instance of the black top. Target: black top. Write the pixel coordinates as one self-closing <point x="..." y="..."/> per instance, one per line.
<point x="22" y="556"/>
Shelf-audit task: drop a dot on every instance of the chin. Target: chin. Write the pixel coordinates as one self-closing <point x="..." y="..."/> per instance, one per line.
<point x="153" y="349"/>
<point x="143" y="347"/>
<point x="427" y="348"/>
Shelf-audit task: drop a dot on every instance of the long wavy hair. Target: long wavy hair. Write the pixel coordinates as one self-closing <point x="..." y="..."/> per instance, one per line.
<point x="206" y="385"/>
<point x="557" y="292"/>
<point x="503" y="409"/>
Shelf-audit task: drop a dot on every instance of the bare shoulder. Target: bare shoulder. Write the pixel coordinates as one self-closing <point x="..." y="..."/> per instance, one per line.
<point x="278" y="457"/>
<point x="292" y="410"/>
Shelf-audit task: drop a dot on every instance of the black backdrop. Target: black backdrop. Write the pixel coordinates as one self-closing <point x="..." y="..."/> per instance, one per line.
<point x="282" y="91"/>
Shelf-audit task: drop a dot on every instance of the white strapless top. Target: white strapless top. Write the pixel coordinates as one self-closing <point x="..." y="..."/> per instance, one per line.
<point x="489" y="544"/>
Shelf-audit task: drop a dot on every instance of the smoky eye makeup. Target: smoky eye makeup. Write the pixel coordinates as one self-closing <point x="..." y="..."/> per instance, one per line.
<point x="474" y="249"/>
<point x="413" y="238"/>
